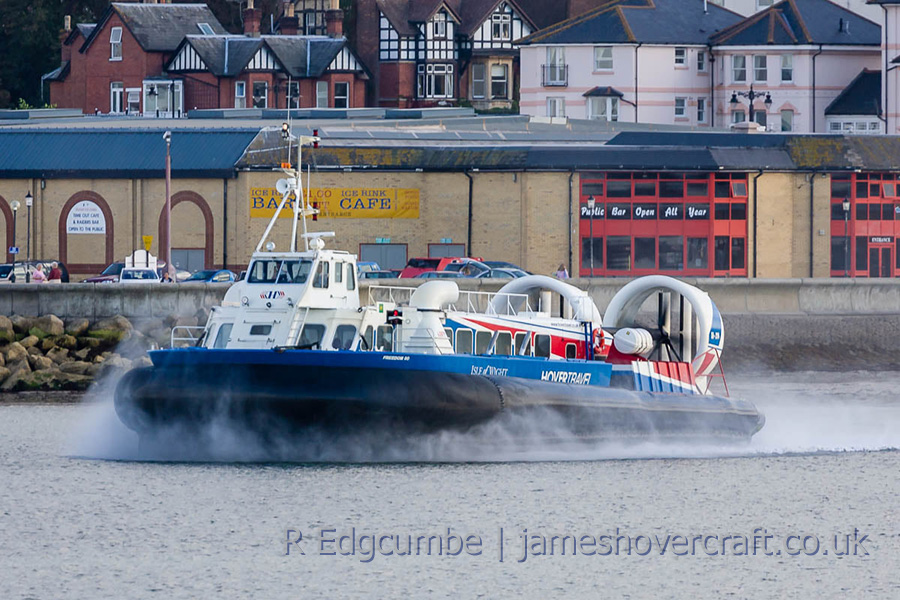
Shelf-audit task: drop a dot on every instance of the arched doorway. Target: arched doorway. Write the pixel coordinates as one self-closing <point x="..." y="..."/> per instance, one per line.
<point x="85" y="226"/>
<point x="191" y="249"/>
<point x="8" y="219"/>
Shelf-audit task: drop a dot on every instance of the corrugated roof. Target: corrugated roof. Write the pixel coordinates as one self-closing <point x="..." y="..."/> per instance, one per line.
<point x="645" y="21"/>
<point x="861" y="97"/>
<point x="119" y="153"/>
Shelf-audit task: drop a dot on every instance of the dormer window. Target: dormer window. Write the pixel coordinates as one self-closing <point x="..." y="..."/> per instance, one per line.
<point x="115" y="43"/>
<point x="439" y="24"/>
<point x="205" y="29"/>
<point x="500" y="26"/>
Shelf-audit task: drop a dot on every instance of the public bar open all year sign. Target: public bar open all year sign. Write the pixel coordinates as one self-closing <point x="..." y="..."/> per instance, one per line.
<point x="342" y="203"/>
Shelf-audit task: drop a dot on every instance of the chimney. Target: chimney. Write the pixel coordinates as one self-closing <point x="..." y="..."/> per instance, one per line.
<point x="334" y="20"/>
<point x="288" y="24"/>
<point x="65" y="51"/>
<point x="252" y="17"/>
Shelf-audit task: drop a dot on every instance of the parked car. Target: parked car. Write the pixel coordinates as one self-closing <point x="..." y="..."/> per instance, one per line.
<point x="420" y="265"/>
<point x="468" y="267"/>
<point x="367" y="266"/>
<point x="379" y="274"/>
<point x="212" y="276"/>
<point x="440" y="275"/>
<point x="502" y="274"/>
<point x="109" y="275"/>
<point x="19" y="276"/>
<point x="502" y="264"/>
<point x="138" y="275"/>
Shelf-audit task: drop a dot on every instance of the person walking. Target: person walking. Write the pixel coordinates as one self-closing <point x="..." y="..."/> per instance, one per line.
<point x="37" y="275"/>
<point x="55" y="275"/>
<point x="561" y="272"/>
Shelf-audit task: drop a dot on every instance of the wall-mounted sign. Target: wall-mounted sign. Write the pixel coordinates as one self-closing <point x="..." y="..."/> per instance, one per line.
<point x="85" y="217"/>
<point x="599" y="211"/>
<point x="697" y="212"/>
<point x="342" y="203"/>
<point x="881" y="239"/>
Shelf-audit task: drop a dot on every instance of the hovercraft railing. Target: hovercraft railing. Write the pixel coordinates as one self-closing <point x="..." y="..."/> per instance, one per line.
<point x="186" y="335"/>
<point x="469" y="301"/>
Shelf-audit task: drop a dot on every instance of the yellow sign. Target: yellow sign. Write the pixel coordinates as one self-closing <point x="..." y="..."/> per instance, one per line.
<point x="148" y="239"/>
<point x="342" y="203"/>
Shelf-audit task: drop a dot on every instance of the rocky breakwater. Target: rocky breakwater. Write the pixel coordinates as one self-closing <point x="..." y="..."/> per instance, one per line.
<point x="46" y="353"/>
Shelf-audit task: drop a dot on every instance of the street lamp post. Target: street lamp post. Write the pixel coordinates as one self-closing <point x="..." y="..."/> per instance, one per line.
<point x="751" y="96"/>
<point x="168" y="137"/>
<point x="14" y="205"/>
<point x="591" y="202"/>
<point x="846" y="206"/>
<point x="29" y="200"/>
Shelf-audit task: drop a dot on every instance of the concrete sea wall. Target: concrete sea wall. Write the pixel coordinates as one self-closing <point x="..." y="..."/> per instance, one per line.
<point x="769" y="324"/>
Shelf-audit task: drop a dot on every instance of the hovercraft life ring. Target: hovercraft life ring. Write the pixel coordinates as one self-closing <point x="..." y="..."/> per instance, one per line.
<point x="600" y="343"/>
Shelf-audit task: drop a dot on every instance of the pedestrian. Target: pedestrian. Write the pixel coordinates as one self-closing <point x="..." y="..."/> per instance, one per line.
<point x="561" y="272"/>
<point x="55" y="275"/>
<point x="37" y="275"/>
<point x="166" y="278"/>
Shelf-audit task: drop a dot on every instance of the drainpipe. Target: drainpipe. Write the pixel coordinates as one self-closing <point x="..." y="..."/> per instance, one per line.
<point x="571" y="176"/>
<point x="884" y="70"/>
<point x="712" y="99"/>
<point x="755" y="218"/>
<point x="469" y="225"/>
<point x="635" y="102"/>
<point x="224" y="223"/>
<point x="813" y="88"/>
<point x="811" y="179"/>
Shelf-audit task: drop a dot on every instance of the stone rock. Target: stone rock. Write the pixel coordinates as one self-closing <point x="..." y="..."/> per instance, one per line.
<point x="116" y="323"/>
<point x="15" y="352"/>
<point x="20" y="365"/>
<point x="77" y="327"/>
<point x="117" y="362"/>
<point x="82" y="354"/>
<point x="48" y="343"/>
<point x="53" y="379"/>
<point x="52" y="324"/>
<point x="141" y="362"/>
<point x="11" y="382"/>
<point x="77" y="367"/>
<point x="7" y="333"/>
<point x="2" y="360"/>
<point x="30" y="341"/>
<point x="21" y="324"/>
<point x="67" y="341"/>
<point x="99" y="359"/>
<point x="4" y="373"/>
<point x="40" y="363"/>
<point x="186" y="321"/>
<point x="58" y="355"/>
<point x="94" y="370"/>
<point x="35" y="351"/>
<point x="88" y="342"/>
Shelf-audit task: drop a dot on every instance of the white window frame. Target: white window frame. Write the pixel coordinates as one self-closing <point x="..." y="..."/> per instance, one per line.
<point x="504" y="80"/>
<point x="435" y="73"/>
<point x="309" y="23"/>
<point x="115" y="44"/>
<point x="680" y="56"/>
<point x="556" y="65"/>
<point x="501" y="26"/>
<point x="479" y="81"/>
<point x="739" y="71"/>
<point x="341" y="98"/>
<point x="760" y="74"/>
<point x="701" y="109"/>
<point x="603" y="58"/>
<point x="439" y="26"/>
<point x="603" y="108"/>
<point x="556" y="106"/>
<point x="264" y="96"/>
<point x="321" y="94"/>
<point x="788" y="123"/>
<point x="116" y="98"/>
<point x="205" y="29"/>
<point x="757" y="113"/>
<point x="787" y="67"/>
<point x="133" y="98"/>
<point x="680" y="107"/>
<point x="240" y="94"/>
<point x="738" y="116"/>
<point x="701" y="62"/>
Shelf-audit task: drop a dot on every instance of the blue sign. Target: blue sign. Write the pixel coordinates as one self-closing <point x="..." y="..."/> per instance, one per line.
<point x="13" y="249"/>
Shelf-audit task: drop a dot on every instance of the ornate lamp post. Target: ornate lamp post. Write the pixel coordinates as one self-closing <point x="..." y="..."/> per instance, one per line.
<point x="14" y="205"/>
<point x="751" y="96"/>
<point x="846" y="206"/>
<point x="591" y="202"/>
<point x="29" y="200"/>
<point x="168" y="137"/>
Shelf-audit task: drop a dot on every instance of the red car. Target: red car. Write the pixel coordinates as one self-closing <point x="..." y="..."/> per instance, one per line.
<point x="415" y="266"/>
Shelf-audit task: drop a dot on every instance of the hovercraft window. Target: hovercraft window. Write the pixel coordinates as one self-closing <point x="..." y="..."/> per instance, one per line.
<point x="369" y="338"/>
<point x="223" y="335"/>
<point x="482" y="342"/>
<point x="312" y="336"/>
<point x="385" y="341"/>
<point x="542" y="346"/>
<point x="260" y="330"/>
<point x="571" y="351"/>
<point x="321" y="279"/>
<point x="294" y="271"/>
<point x="464" y="341"/>
<point x="504" y="344"/>
<point x="343" y="337"/>
<point x="263" y="271"/>
<point x="338" y="272"/>
<point x="351" y="277"/>
<point x="523" y="344"/>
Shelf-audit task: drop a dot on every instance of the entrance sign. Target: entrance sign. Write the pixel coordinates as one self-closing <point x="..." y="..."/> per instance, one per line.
<point x="342" y="203"/>
<point x="85" y="217"/>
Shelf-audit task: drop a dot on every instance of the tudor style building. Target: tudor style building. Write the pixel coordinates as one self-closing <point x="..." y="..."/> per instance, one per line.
<point x="441" y="52"/>
<point x="160" y="60"/>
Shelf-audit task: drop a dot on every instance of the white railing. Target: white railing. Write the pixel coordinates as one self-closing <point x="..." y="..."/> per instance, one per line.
<point x="390" y="293"/>
<point x="185" y="335"/>
<point x="491" y="303"/>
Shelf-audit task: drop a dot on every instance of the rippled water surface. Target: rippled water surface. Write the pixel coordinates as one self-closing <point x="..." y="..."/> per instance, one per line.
<point x="74" y="524"/>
